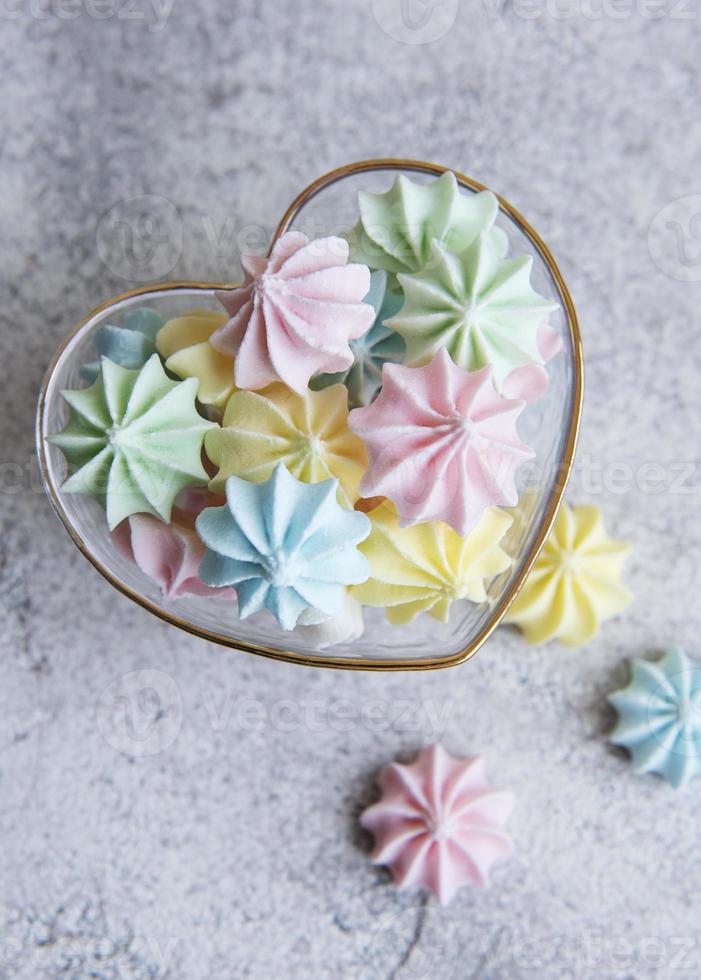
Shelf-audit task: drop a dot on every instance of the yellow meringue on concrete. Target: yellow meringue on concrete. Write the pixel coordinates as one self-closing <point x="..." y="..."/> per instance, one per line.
<point x="425" y="567"/>
<point x="574" y="585"/>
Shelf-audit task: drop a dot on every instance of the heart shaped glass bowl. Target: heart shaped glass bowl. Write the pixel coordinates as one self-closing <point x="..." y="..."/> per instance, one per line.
<point x="550" y="425"/>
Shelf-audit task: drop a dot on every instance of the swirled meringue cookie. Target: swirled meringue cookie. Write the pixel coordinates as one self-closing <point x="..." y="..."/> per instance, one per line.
<point x="426" y="567"/>
<point x="133" y="440"/>
<point x="308" y="433"/>
<point x="129" y="344"/>
<point x="371" y="351"/>
<point x="442" y="443"/>
<point x="438" y="823"/>
<point x="575" y="583"/>
<point x="295" y="313"/>
<point x="396" y="228"/>
<point x="659" y="721"/>
<point x="283" y="545"/>
<point x="183" y="343"/>
<point x="477" y="305"/>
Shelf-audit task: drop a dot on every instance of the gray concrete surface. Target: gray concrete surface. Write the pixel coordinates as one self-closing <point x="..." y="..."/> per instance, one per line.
<point x="199" y="820"/>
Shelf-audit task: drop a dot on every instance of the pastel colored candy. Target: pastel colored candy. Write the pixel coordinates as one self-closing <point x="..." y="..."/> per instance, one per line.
<point x="524" y="517"/>
<point x="477" y="305"/>
<point x="426" y="567"/>
<point x="169" y="554"/>
<point x="133" y="440"/>
<point x="375" y="348"/>
<point x="129" y="344"/>
<point x="442" y="443"/>
<point x="575" y="583"/>
<point x="396" y="228"/>
<point x="438" y="824"/>
<point x="283" y="545"/>
<point x="184" y="344"/>
<point x="529" y="382"/>
<point x="321" y="632"/>
<point x="308" y="433"/>
<point x="659" y="717"/>
<point x="295" y="313"/>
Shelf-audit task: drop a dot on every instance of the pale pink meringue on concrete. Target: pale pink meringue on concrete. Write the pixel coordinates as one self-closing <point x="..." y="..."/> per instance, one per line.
<point x="438" y="824"/>
<point x="169" y="554"/>
<point x="295" y="313"/>
<point x="442" y="443"/>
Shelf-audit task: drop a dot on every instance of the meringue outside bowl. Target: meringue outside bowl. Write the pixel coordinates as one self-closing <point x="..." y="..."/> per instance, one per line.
<point x="549" y="425"/>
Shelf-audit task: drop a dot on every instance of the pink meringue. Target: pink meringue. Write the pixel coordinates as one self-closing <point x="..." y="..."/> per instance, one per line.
<point x="169" y="554"/>
<point x="438" y="824"/>
<point x="295" y="313"/>
<point x="529" y="382"/>
<point x="442" y="443"/>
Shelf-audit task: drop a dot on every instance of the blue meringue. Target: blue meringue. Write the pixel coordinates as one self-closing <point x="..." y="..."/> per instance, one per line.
<point x="375" y="348"/>
<point x="130" y="345"/>
<point x="283" y="545"/>
<point x="660" y="717"/>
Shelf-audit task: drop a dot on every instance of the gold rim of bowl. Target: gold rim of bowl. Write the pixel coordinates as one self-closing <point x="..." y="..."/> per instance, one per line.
<point x="322" y="659"/>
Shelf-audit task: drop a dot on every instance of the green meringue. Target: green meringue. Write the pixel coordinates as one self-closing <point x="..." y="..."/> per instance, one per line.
<point x="133" y="440"/>
<point x="396" y="228"/>
<point x="477" y="304"/>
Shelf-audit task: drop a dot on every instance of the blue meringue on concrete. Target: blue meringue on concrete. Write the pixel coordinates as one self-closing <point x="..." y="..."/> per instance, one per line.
<point x="283" y="545"/>
<point x="660" y="717"/>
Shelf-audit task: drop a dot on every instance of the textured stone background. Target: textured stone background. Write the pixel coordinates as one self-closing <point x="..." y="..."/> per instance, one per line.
<point x="233" y="851"/>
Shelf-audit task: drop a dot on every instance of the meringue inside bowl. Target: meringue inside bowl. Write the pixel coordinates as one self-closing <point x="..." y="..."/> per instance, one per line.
<point x="549" y="425"/>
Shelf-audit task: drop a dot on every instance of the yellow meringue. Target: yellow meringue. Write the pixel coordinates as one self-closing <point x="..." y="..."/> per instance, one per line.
<point x="308" y="433"/>
<point x="574" y="585"/>
<point x="184" y="344"/>
<point x="523" y="519"/>
<point x="425" y="567"/>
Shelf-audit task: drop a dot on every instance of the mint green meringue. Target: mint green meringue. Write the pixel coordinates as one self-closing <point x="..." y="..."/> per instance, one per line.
<point x="133" y="440"/>
<point x="396" y="228"/>
<point x="477" y="304"/>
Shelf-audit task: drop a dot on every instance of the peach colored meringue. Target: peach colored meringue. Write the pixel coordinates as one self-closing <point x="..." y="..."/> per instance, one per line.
<point x="442" y="443"/>
<point x="438" y="824"/>
<point x="295" y="313"/>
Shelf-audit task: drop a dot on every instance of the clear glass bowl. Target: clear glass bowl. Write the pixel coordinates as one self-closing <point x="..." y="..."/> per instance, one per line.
<point x="550" y="425"/>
